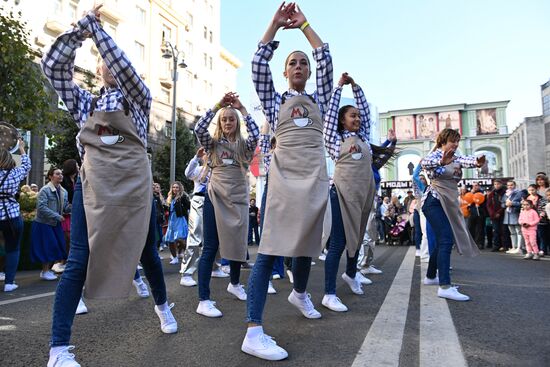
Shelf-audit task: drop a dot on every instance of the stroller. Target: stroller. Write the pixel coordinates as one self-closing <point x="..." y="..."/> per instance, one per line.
<point x="396" y="234"/>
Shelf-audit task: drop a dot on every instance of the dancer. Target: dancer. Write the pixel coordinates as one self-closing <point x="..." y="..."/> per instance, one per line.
<point x="11" y="223"/>
<point x="298" y="178"/>
<point x="112" y="218"/>
<point x="176" y="234"/>
<point x="346" y="134"/>
<point x="441" y="208"/>
<point x="226" y="200"/>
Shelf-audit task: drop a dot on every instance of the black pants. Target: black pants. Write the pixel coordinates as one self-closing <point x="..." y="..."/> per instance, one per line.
<point x="476" y="226"/>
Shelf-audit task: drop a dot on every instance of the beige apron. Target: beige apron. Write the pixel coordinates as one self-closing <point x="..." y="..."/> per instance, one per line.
<point x="228" y="192"/>
<point x="446" y="187"/>
<point x="298" y="181"/>
<point x="116" y="188"/>
<point x="354" y="183"/>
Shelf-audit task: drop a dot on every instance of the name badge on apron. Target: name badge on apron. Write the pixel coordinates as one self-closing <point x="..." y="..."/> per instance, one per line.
<point x="228" y="161"/>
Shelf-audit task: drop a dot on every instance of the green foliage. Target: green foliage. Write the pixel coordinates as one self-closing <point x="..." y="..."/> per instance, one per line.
<point x="27" y="202"/>
<point x="25" y="101"/>
<point x="63" y="141"/>
<point x="185" y="150"/>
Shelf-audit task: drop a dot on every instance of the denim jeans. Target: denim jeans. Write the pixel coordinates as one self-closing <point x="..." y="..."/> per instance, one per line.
<point x="336" y="248"/>
<point x="259" y="280"/>
<point x="541" y="238"/>
<point x="13" y="232"/>
<point x="440" y="259"/>
<point x="69" y="288"/>
<point x="417" y="229"/>
<point x="210" y="246"/>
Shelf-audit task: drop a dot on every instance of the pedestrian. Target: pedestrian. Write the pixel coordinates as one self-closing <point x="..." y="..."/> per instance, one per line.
<point x="298" y="180"/>
<point x="112" y="223"/>
<point x="159" y="203"/>
<point x="427" y="237"/>
<point x="226" y="200"/>
<point x="176" y="234"/>
<point x="528" y="219"/>
<point x="47" y="238"/>
<point x="476" y="219"/>
<point x="253" y="213"/>
<point x="34" y="187"/>
<point x="346" y="133"/>
<point x="11" y="223"/>
<point x="539" y="203"/>
<point x="511" y="201"/>
<point x="496" y="213"/>
<point x="441" y="208"/>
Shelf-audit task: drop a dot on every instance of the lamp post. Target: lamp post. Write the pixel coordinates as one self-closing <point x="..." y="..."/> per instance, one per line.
<point x="169" y="51"/>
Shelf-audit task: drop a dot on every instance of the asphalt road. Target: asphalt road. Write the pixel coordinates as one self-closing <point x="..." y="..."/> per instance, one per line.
<point x="397" y="322"/>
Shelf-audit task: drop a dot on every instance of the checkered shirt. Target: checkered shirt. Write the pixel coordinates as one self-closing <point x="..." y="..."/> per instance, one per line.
<point x="11" y="187"/>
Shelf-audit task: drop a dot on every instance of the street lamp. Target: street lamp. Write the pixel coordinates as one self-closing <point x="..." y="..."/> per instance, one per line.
<point x="169" y="51"/>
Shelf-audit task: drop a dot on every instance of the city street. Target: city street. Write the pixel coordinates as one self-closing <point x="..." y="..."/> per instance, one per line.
<point x="398" y="322"/>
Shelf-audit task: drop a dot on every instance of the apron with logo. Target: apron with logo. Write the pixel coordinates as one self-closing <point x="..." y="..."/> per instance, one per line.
<point x="298" y="181"/>
<point x="446" y="187"/>
<point x="116" y="188"/>
<point x="354" y="184"/>
<point x="228" y="192"/>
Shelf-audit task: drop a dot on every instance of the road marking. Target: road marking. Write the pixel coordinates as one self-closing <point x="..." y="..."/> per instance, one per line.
<point x="439" y="344"/>
<point x="382" y="345"/>
<point x="21" y="299"/>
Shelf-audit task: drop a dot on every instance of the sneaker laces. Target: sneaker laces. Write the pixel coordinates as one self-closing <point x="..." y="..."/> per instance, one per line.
<point x="167" y="316"/>
<point x="210" y="305"/>
<point x="267" y="340"/>
<point x="64" y="355"/>
<point x="308" y="305"/>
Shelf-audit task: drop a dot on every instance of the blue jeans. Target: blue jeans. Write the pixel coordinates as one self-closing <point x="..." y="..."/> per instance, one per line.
<point x="431" y="238"/>
<point x="278" y="265"/>
<point x="210" y="246"/>
<point x="259" y="280"/>
<point x="69" y="288"/>
<point x="417" y="229"/>
<point x="253" y="229"/>
<point x="13" y="232"/>
<point x="440" y="259"/>
<point x="336" y="248"/>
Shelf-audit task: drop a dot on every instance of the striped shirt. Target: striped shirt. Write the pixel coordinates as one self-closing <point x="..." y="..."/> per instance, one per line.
<point x="333" y="139"/>
<point x="432" y="165"/>
<point x="265" y="149"/>
<point x="58" y="66"/>
<point x="11" y="187"/>
<point x="263" y="81"/>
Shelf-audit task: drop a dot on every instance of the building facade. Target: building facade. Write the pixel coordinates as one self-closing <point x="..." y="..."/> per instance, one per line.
<point x="525" y="144"/>
<point x="545" y="99"/>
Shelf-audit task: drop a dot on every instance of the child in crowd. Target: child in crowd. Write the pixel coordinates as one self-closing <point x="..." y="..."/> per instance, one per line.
<point x="528" y="219"/>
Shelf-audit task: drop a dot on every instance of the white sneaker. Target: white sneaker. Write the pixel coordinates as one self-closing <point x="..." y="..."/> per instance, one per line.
<point x="515" y="251"/>
<point x="271" y="289"/>
<point x="226" y="269"/>
<point x="276" y="276"/>
<point x="354" y="284"/>
<point x="187" y="281"/>
<point x="264" y="347"/>
<point x="48" y="275"/>
<point x="218" y="273"/>
<point x="139" y="267"/>
<point x="304" y="305"/>
<point x="10" y="287"/>
<point x="141" y="288"/>
<point x="371" y="270"/>
<point x="208" y="309"/>
<point x="290" y="276"/>
<point x="362" y="279"/>
<point x="174" y="260"/>
<point x="312" y="262"/>
<point x="168" y="323"/>
<point x="428" y="281"/>
<point x="63" y="359"/>
<point x="333" y="303"/>
<point x="322" y="257"/>
<point x="452" y="293"/>
<point x="237" y="290"/>
<point x="417" y="253"/>
<point x="81" y="308"/>
<point x="58" y="268"/>
<point x="425" y="259"/>
<point x="2" y="276"/>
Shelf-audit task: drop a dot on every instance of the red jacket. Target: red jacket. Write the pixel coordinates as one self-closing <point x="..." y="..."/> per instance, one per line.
<point x="494" y="204"/>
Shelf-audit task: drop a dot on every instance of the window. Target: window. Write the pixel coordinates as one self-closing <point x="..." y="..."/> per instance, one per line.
<point x="188" y="50"/>
<point x="190" y="19"/>
<point x="205" y="32"/>
<point x="58" y="7"/>
<point x="546" y="105"/>
<point x="205" y="59"/>
<point x="210" y="89"/>
<point x="139" y="50"/>
<point x="165" y="95"/>
<point x="141" y="16"/>
<point x="166" y="33"/>
<point x="205" y="87"/>
<point x="72" y="10"/>
<point x="211" y="62"/>
<point x="211" y="37"/>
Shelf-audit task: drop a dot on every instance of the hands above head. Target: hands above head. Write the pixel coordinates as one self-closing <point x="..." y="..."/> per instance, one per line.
<point x="481" y="160"/>
<point x="200" y="152"/>
<point x="281" y="19"/>
<point x="231" y="99"/>
<point x="296" y="17"/>
<point x="22" y="146"/>
<point x="345" y="79"/>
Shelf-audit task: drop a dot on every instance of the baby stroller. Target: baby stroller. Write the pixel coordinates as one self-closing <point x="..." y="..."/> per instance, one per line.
<point x="396" y="234"/>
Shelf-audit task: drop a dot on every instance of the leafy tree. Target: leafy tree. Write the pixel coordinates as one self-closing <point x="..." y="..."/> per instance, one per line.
<point x="185" y="150"/>
<point x="63" y="141"/>
<point x="25" y="101"/>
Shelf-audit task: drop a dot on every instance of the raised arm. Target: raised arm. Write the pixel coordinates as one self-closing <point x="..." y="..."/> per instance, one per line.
<point x="201" y="128"/>
<point x="193" y="169"/>
<point x="19" y="173"/>
<point x="251" y="127"/>
<point x="330" y="132"/>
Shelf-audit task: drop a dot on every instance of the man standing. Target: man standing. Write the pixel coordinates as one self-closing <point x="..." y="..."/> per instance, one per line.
<point x="476" y="220"/>
<point x="253" y="223"/>
<point x="496" y="213"/>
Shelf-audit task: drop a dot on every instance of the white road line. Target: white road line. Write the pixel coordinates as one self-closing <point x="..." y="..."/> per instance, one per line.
<point x="21" y="299"/>
<point x="439" y="344"/>
<point x="382" y="345"/>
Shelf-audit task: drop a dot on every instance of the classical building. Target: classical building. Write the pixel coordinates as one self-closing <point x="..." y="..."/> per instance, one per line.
<point x="545" y="97"/>
<point x="481" y="125"/>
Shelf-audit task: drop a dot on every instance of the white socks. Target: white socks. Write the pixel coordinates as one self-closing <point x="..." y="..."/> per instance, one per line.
<point x="55" y="350"/>
<point x="163" y="307"/>
<point x="254" y="331"/>
<point x="299" y="295"/>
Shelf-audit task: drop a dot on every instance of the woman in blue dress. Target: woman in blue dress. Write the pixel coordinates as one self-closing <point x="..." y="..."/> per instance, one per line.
<point x="176" y="234"/>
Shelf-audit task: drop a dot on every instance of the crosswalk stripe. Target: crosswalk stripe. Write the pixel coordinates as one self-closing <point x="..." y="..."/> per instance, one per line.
<point x="383" y="342"/>
<point x="439" y="344"/>
<point x="21" y="299"/>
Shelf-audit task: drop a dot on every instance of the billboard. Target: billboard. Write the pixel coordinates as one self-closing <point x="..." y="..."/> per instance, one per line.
<point x="404" y="127"/>
<point x="486" y="121"/>
<point x="449" y="120"/>
<point x="426" y="126"/>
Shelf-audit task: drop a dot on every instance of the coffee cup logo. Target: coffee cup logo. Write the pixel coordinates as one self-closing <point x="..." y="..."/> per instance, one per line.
<point x="355" y="151"/>
<point x="300" y="116"/>
<point x="109" y="136"/>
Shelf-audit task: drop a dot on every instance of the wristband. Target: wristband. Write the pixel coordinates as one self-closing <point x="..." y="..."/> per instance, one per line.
<point x="218" y="106"/>
<point x="304" y="25"/>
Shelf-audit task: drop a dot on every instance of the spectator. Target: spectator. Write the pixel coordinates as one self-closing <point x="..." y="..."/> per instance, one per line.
<point x="476" y="219"/>
<point x="496" y="213"/>
<point x="539" y="204"/>
<point x="511" y="201"/>
<point x="34" y="187"/>
<point x="253" y="223"/>
<point x="528" y="219"/>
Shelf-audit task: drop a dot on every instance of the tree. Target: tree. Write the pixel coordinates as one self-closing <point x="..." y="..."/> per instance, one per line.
<point x="63" y="141"/>
<point x="25" y="100"/>
<point x="185" y="150"/>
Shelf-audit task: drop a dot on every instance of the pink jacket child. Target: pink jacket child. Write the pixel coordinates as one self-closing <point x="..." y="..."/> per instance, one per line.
<point x="528" y="219"/>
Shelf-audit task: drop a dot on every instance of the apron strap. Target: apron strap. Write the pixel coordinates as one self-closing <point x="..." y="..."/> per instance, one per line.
<point x="125" y="106"/>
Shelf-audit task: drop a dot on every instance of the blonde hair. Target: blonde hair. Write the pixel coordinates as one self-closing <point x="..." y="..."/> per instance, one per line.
<point x="171" y="193"/>
<point x="241" y="153"/>
<point x="6" y="160"/>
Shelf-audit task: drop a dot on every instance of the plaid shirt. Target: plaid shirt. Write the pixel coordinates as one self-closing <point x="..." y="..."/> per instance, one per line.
<point x="265" y="149"/>
<point x="194" y="171"/>
<point x="333" y="139"/>
<point x="11" y="187"/>
<point x="263" y="81"/>
<point x="201" y="129"/>
<point x="58" y="66"/>
<point x="432" y="165"/>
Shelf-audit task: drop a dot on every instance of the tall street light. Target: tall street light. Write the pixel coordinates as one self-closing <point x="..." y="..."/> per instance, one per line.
<point x="169" y="51"/>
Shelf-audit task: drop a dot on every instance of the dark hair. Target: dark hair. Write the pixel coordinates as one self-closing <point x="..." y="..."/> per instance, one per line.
<point x="381" y="155"/>
<point x="446" y="135"/>
<point x="272" y="142"/>
<point x="51" y="171"/>
<point x="530" y="203"/>
<point x="534" y="186"/>
<point x="544" y="177"/>
<point x="70" y="167"/>
<point x="341" y="114"/>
